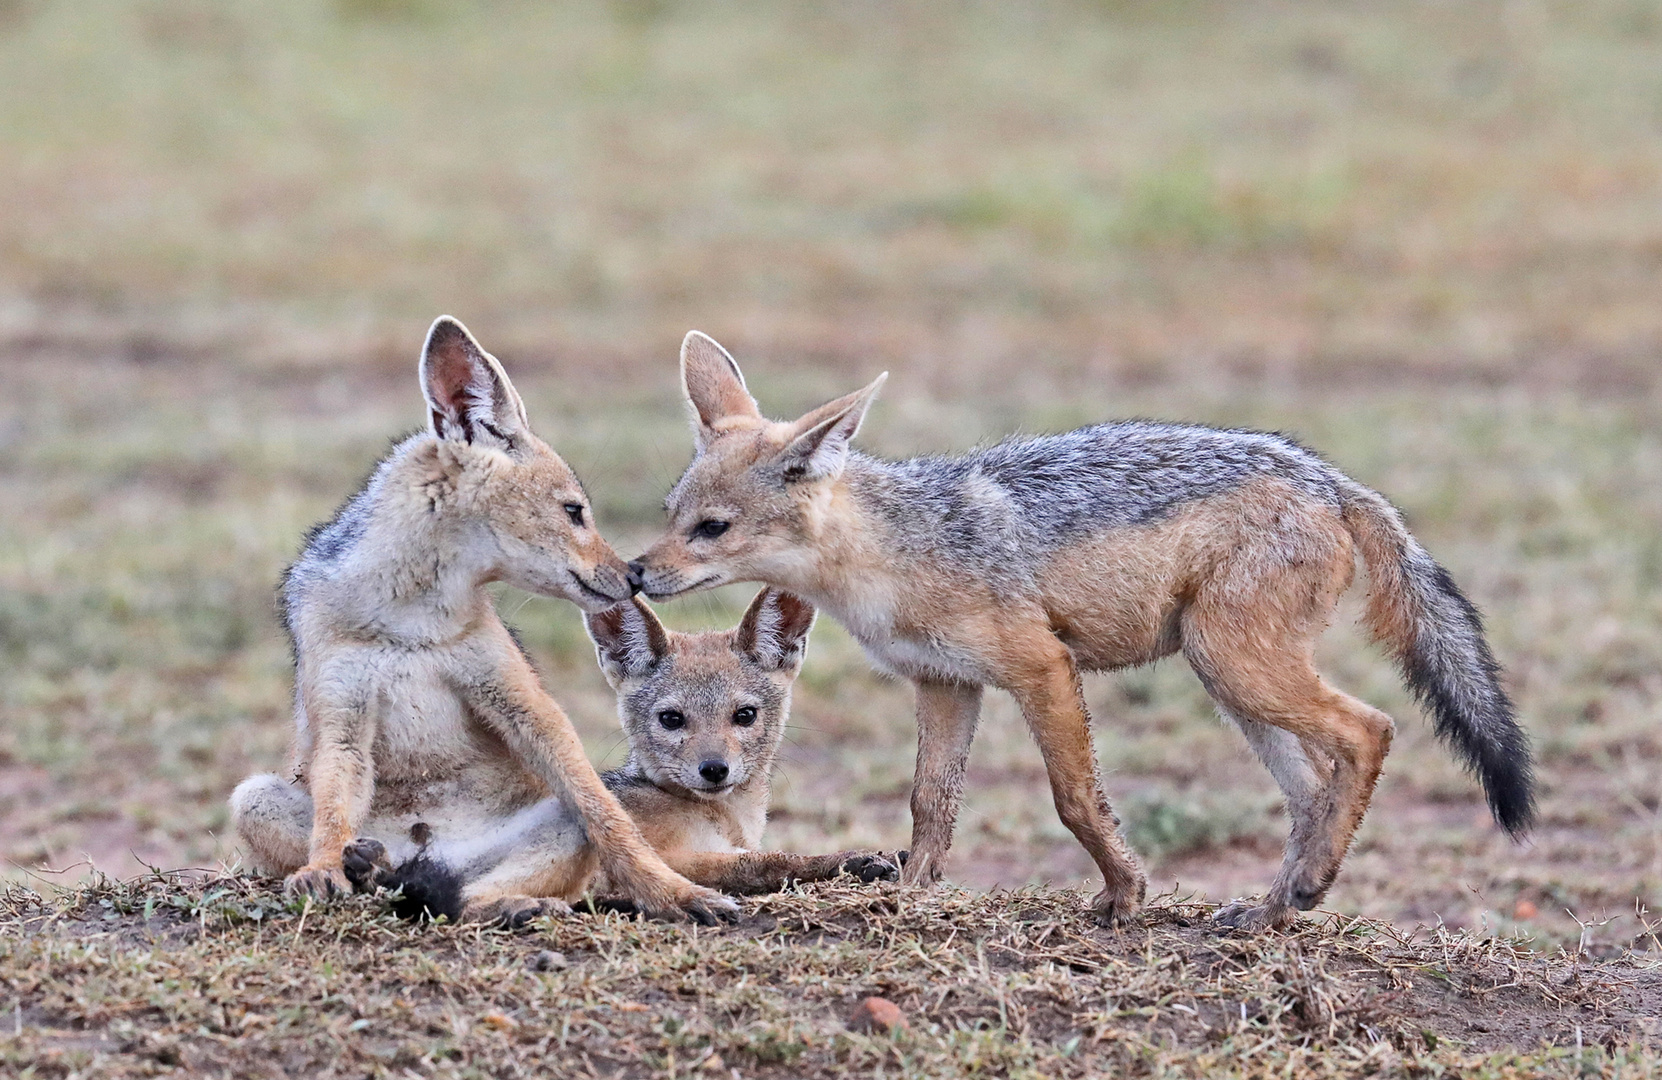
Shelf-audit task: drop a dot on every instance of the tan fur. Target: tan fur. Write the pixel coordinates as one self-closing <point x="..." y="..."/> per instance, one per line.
<point x="418" y="718"/>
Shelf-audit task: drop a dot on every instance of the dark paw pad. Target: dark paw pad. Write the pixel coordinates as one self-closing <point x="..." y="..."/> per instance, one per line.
<point x="364" y="861"/>
<point x="518" y="913"/>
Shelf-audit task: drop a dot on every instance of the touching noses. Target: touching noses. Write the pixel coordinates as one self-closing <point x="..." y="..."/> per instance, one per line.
<point x="713" y="771"/>
<point x="636" y="569"/>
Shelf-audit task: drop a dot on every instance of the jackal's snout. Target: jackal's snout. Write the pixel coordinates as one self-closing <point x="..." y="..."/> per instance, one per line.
<point x="667" y="569"/>
<point x="603" y="582"/>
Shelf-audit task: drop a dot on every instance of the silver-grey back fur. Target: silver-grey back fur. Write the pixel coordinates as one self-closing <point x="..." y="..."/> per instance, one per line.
<point x="1001" y="508"/>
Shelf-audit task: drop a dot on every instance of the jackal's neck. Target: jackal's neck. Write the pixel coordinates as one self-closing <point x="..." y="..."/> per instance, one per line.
<point x="743" y="807"/>
<point x="395" y="571"/>
<point x="852" y="548"/>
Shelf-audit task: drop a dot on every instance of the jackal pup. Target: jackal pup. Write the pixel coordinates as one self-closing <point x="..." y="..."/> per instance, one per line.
<point x="1022" y="564"/>
<point x="418" y="718"/>
<point x="704" y="714"/>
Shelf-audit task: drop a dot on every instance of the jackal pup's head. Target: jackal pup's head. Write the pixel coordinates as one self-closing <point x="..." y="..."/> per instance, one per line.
<point x="704" y="712"/>
<point x="757" y="491"/>
<point x="512" y="501"/>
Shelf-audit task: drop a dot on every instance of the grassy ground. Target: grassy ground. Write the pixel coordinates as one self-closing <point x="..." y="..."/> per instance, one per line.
<point x="1423" y="237"/>
<point x="223" y="978"/>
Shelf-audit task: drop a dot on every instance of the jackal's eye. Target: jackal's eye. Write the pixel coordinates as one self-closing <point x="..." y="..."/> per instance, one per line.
<point x="745" y="716"/>
<point x="574" y="511"/>
<point x="709" y="529"/>
<point x="672" y="720"/>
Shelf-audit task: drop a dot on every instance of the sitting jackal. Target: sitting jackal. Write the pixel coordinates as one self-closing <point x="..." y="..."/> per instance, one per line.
<point x="1022" y="564"/>
<point x="417" y="716"/>
<point x="704" y="715"/>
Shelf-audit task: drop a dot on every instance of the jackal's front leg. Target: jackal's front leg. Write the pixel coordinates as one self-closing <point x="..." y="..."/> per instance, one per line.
<point x="748" y="872"/>
<point x="947" y="715"/>
<point x="1047" y="688"/>
<point x="341" y="777"/>
<point x="538" y="731"/>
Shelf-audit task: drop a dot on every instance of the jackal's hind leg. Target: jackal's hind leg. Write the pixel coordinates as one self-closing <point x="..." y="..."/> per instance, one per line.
<point x="273" y="819"/>
<point x="1338" y="736"/>
<point x="1304" y="790"/>
<point x="531" y="864"/>
<point x="947" y="715"/>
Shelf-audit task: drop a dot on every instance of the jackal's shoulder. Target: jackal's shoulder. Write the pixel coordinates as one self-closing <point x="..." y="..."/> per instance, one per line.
<point x="328" y="543"/>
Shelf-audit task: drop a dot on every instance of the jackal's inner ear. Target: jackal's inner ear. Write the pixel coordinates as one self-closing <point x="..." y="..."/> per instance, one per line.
<point x="820" y="446"/>
<point x="628" y="639"/>
<point x="774" y="631"/>
<point x="469" y="397"/>
<point x="714" y="386"/>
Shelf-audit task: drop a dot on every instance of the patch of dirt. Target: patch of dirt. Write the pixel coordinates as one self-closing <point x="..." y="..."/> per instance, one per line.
<point x="46" y="835"/>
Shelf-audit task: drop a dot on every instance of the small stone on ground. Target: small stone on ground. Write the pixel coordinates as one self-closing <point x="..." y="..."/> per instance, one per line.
<point x="877" y="1015"/>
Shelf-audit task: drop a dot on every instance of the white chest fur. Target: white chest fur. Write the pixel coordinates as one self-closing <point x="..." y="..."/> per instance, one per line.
<point x="423" y="720"/>
<point x="907" y="655"/>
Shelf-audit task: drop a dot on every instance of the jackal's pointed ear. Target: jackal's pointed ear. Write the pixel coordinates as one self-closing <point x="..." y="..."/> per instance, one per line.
<point x="628" y="639"/>
<point x="774" y="631"/>
<point x="820" y="446"/>
<point x="715" y="387"/>
<point x="469" y="397"/>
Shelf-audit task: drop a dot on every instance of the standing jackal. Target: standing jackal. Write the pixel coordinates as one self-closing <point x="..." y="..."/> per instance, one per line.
<point x="418" y="718"/>
<point x="1022" y="564"/>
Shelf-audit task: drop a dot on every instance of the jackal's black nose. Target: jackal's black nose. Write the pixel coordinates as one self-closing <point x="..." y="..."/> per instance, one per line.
<point x="636" y="569"/>
<point x="713" y="771"/>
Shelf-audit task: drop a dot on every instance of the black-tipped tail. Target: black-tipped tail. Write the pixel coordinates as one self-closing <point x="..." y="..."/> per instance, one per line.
<point x="1417" y="610"/>
<point x="1451" y="670"/>
<point x="425" y="888"/>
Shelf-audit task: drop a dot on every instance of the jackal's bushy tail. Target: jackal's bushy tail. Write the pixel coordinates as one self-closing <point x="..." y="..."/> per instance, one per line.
<point x="424" y="888"/>
<point x="1416" y="610"/>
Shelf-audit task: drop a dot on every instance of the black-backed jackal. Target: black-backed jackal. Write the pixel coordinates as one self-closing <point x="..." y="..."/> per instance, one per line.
<point x="418" y="718"/>
<point x="1022" y="564"/>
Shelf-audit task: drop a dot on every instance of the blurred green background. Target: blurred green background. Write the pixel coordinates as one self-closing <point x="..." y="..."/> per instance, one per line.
<point x="1424" y="237"/>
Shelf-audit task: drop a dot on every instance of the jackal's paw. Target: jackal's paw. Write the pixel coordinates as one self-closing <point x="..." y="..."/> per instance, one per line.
<point x="318" y="882"/>
<point x="365" y="863"/>
<point x="869" y="866"/>
<point x="515" y="912"/>
<point x="706" y="907"/>
<point x="694" y="903"/>
<point x="1117" y="906"/>
<point x="1253" y="918"/>
<point x="921" y="866"/>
